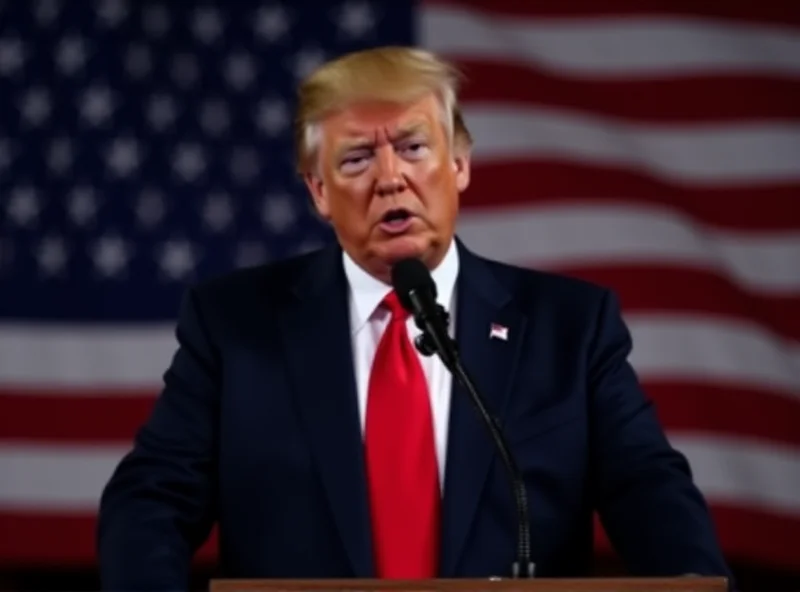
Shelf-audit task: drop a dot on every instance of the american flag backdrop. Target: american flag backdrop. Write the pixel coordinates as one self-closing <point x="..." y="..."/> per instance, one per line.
<point x="651" y="146"/>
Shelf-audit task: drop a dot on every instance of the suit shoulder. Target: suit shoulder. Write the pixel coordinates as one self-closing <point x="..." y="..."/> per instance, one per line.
<point x="561" y="305"/>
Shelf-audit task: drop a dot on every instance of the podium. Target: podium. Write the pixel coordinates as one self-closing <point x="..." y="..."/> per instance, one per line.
<point x="679" y="584"/>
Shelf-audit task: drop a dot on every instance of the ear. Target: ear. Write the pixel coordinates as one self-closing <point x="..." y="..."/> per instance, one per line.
<point x="318" y="194"/>
<point x="461" y="166"/>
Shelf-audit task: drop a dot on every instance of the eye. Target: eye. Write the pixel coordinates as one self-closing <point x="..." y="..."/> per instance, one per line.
<point x="414" y="149"/>
<point x="354" y="163"/>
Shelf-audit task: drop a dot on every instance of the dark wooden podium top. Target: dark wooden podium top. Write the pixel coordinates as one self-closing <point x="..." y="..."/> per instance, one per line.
<point x="681" y="584"/>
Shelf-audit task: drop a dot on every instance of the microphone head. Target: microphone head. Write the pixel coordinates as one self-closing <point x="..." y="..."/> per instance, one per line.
<point x="409" y="275"/>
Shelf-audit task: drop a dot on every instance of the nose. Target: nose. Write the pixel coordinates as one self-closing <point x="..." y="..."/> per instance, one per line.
<point x="389" y="178"/>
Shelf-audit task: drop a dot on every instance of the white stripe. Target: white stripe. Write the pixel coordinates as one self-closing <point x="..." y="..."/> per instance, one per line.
<point x="588" y="234"/>
<point x="55" y="477"/>
<point x="713" y="350"/>
<point x="77" y="356"/>
<point x="613" y="46"/>
<point x="734" y="471"/>
<point x="71" y="478"/>
<point x="692" y="153"/>
<point x="667" y="345"/>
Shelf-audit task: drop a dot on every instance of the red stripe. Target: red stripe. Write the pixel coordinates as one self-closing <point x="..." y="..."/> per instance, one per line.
<point x="682" y="404"/>
<point x="686" y="99"/>
<point x="658" y="288"/>
<point x="47" y="416"/>
<point x="111" y="418"/>
<point x="783" y="13"/>
<point x="533" y="181"/>
<point x="725" y="410"/>
<point x="758" y="536"/>
<point x="747" y="535"/>
<point x="53" y="540"/>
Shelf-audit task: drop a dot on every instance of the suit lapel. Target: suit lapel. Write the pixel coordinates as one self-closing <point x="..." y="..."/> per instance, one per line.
<point x="491" y="362"/>
<point x="317" y="341"/>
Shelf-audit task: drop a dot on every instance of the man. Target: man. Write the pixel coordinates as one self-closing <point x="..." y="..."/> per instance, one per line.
<point x="297" y="415"/>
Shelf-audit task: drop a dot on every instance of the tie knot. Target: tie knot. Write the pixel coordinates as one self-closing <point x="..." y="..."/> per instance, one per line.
<point x="392" y="302"/>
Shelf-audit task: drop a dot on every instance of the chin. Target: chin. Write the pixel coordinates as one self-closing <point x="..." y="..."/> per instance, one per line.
<point x="405" y="248"/>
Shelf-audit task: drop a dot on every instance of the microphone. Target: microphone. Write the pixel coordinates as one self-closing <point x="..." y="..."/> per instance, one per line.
<point x="416" y="291"/>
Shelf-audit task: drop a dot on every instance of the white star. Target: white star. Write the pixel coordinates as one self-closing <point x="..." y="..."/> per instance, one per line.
<point x="278" y="212"/>
<point x="306" y="61"/>
<point x="214" y="117"/>
<point x="12" y="55"/>
<point x="161" y="112"/>
<point x="82" y="206"/>
<point x="51" y="254"/>
<point x="111" y="255"/>
<point x="355" y="19"/>
<point x="71" y="55"/>
<point x="35" y="106"/>
<point x="150" y="209"/>
<point x="97" y="105"/>
<point x="112" y="12"/>
<point x="250" y="254"/>
<point x="177" y="259"/>
<point x="184" y="70"/>
<point x="207" y="24"/>
<point x="60" y="156"/>
<point x="23" y="206"/>
<point x="307" y="246"/>
<point x="156" y="21"/>
<point x="189" y="161"/>
<point x="123" y="156"/>
<point x="240" y="70"/>
<point x="244" y="164"/>
<point x="46" y="12"/>
<point x="272" y="116"/>
<point x="137" y="61"/>
<point x="271" y="23"/>
<point x="218" y="212"/>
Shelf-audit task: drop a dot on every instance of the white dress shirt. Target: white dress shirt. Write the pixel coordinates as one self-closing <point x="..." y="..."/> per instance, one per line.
<point x="367" y="323"/>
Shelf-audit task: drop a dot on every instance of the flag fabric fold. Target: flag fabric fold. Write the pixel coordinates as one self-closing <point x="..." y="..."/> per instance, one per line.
<point x="651" y="147"/>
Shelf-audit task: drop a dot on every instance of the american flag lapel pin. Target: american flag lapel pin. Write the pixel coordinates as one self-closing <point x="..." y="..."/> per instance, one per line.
<point x="498" y="332"/>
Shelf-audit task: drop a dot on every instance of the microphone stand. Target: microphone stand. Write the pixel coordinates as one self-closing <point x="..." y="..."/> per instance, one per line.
<point x="428" y="344"/>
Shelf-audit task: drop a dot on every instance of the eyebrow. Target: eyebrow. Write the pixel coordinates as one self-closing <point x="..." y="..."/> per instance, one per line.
<point x="410" y="130"/>
<point x="362" y="143"/>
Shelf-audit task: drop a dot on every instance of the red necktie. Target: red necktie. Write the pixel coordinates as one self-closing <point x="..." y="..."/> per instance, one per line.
<point x="401" y="458"/>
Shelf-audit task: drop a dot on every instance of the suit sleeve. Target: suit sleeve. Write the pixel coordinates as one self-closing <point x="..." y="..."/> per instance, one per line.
<point x="652" y="511"/>
<point x="158" y="506"/>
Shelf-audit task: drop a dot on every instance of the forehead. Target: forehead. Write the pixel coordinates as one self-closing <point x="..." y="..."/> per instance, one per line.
<point x="367" y="119"/>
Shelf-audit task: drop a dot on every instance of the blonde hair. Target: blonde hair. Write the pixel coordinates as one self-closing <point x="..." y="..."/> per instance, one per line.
<point x="390" y="73"/>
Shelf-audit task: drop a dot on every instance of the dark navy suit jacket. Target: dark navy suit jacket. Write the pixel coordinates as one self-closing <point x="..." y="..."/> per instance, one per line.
<point x="257" y="429"/>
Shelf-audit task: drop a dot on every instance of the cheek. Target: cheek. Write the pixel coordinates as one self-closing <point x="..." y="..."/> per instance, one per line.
<point x="347" y="195"/>
<point x="436" y="178"/>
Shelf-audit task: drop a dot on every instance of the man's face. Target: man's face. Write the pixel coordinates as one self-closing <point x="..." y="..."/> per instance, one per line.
<point x="389" y="183"/>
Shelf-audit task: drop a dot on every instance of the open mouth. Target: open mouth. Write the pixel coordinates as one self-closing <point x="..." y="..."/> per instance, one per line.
<point x="397" y="220"/>
<point x="394" y="216"/>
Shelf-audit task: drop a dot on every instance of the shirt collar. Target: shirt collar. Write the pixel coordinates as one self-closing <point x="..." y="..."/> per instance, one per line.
<point x="367" y="292"/>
